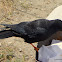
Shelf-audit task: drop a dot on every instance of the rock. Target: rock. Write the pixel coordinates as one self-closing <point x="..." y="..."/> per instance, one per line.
<point x="20" y="50"/>
<point x="0" y="44"/>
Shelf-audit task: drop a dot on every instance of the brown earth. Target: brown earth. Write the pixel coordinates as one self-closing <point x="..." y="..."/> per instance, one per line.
<point x="16" y="11"/>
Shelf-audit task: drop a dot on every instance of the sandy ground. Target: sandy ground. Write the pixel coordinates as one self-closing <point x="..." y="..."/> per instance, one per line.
<point x="16" y="11"/>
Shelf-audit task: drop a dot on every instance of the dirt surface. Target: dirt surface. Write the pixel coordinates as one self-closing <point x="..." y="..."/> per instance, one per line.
<point x="16" y="11"/>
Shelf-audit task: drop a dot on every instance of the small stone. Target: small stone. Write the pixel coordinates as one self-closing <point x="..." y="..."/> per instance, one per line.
<point x="0" y="44"/>
<point x="26" y="57"/>
<point x="20" y="50"/>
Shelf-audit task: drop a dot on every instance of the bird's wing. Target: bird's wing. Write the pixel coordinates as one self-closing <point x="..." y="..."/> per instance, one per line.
<point x="37" y="32"/>
<point x="17" y="28"/>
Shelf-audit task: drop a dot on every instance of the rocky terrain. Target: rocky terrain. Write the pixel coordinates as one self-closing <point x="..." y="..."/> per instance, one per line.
<point x="16" y="11"/>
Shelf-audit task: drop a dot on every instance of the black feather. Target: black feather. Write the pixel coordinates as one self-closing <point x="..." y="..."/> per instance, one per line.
<point x="6" y="34"/>
<point x="34" y="31"/>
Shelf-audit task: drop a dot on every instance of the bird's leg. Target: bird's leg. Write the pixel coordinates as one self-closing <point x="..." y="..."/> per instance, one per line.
<point x="35" y="47"/>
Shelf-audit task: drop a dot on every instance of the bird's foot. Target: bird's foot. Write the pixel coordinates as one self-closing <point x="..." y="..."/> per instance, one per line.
<point x="38" y="61"/>
<point x="35" y="47"/>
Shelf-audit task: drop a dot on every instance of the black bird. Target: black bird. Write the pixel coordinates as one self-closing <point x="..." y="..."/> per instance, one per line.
<point x="33" y="31"/>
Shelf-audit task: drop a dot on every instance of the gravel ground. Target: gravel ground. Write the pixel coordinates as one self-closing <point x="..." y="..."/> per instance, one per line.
<point x="16" y="11"/>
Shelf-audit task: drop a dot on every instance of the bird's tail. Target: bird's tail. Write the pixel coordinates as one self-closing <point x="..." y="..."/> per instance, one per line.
<point x="6" y="31"/>
<point x="6" y="25"/>
<point x="6" y="34"/>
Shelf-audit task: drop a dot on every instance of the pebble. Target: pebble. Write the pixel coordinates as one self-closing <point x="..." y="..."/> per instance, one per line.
<point x="20" y="50"/>
<point x="0" y="44"/>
